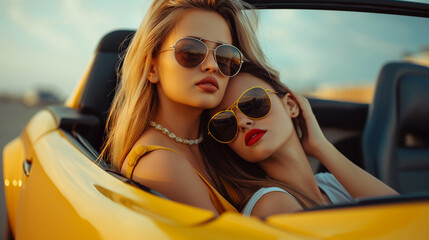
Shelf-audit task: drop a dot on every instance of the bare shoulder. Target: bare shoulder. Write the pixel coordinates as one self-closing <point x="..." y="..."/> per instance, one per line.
<point x="275" y="203"/>
<point x="171" y="174"/>
<point x="162" y="163"/>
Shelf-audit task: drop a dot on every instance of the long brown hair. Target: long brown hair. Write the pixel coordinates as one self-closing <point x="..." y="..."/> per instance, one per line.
<point x="230" y="172"/>
<point x="136" y="101"/>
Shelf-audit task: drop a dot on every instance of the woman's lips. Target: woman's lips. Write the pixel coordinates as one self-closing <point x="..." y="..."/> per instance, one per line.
<point x="208" y="84"/>
<point x="253" y="136"/>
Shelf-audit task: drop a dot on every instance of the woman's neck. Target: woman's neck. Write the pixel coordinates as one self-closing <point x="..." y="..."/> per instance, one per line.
<point x="290" y="165"/>
<point x="183" y="120"/>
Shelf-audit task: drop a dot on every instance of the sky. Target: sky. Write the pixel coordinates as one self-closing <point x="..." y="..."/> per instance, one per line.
<point x="48" y="44"/>
<point x="338" y="48"/>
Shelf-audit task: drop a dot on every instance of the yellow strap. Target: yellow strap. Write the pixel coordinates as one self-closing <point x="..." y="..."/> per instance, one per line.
<point x="136" y="153"/>
<point x="231" y="192"/>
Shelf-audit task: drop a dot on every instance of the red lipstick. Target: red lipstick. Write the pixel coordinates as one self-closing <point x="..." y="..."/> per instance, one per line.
<point x="253" y="136"/>
<point x="208" y="84"/>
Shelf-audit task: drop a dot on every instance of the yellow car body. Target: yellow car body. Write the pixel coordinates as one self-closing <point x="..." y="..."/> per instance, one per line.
<point x="54" y="191"/>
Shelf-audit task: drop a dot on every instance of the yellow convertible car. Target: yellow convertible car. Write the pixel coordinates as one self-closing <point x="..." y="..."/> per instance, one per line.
<point x="361" y="63"/>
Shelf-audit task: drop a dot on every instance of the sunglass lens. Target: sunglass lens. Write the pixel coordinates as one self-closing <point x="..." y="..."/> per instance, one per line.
<point x="255" y="103"/>
<point x="228" y="59"/>
<point x="223" y="126"/>
<point x="190" y="52"/>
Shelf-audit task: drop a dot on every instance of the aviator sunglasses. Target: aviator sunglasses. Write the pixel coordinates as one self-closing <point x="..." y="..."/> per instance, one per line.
<point x="255" y="103"/>
<point x="192" y="52"/>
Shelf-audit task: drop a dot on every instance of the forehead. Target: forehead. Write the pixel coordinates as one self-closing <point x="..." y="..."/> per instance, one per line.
<point x="237" y="85"/>
<point x="201" y="24"/>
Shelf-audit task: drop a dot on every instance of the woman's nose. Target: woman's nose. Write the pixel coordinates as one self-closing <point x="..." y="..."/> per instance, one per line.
<point x="243" y="121"/>
<point x="210" y="64"/>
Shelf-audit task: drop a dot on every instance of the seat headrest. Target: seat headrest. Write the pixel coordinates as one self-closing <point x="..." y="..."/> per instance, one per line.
<point x="413" y="101"/>
<point x="401" y="100"/>
<point x="102" y="79"/>
<point x="115" y="42"/>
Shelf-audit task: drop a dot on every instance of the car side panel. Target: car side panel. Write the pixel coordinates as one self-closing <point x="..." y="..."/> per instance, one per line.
<point x="13" y="157"/>
<point x="44" y="212"/>
<point x="407" y="220"/>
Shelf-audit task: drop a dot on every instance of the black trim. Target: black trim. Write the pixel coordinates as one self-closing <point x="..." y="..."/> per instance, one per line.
<point x="374" y="6"/>
<point x="86" y="144"/>
<point x="387" y="200"/>
<point x="135" y="184"/>
<point x="68" y="118"/>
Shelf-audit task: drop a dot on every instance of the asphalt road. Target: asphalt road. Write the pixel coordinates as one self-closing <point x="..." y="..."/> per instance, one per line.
<point x="13" y="117"/>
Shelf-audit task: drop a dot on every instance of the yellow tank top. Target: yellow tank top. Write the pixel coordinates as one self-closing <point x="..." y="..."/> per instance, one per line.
<point x="220" y="203"/>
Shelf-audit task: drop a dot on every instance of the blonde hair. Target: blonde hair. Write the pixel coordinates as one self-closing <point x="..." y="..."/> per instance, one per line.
<point x="136" y="101"/>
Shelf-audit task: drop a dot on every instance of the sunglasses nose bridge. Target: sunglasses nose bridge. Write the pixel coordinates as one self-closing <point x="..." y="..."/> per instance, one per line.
<point x="210" y="63"/>
<point x="243" y="121"/>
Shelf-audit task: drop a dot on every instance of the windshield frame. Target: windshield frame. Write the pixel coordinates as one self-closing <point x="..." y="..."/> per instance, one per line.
<point x="416" y="9"/>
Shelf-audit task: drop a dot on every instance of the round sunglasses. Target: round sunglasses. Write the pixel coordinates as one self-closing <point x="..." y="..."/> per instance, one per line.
<point x="254" y="103"/>
<point x="192" y="52"/>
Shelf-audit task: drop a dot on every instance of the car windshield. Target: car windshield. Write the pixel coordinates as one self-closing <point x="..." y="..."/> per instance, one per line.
<point x="338" y="55"/>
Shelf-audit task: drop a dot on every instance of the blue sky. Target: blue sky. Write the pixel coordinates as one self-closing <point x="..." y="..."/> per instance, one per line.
<point x="338" y="48"/>
<point x="49" y="43"/>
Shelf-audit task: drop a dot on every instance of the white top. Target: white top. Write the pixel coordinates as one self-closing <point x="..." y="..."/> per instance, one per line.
<point x="326" y="181"/>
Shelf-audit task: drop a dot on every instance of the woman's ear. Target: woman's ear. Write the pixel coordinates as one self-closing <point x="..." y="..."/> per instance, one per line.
<point x="291" y="105"/>
<point x="153" y="73"/>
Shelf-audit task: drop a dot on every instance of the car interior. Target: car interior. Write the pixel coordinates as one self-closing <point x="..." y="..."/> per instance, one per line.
<point x="388" y="138"/>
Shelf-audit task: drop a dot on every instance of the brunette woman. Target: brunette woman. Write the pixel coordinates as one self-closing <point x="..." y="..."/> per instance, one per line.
<point x="261" y="136"/>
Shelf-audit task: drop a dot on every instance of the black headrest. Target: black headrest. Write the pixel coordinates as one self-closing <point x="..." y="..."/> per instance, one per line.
<point x="413" y="101"/>
<point x="115" y="42"/>
<point x="401" y="101"/>
<point x="102" y="79"/>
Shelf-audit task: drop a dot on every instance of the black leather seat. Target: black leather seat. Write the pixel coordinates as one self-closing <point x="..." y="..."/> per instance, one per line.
<point x="102" y="79"/>
<point x="395" y="141"/>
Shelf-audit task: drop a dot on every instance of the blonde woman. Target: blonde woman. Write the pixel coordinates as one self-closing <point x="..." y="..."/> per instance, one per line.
<point x="178" y="64"/>
<point x="257" y="151"/>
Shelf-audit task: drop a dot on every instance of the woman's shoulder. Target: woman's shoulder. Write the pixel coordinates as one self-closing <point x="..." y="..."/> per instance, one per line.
<point x="146" y="149"/>
<point x="271" y="200"/>
<point x="172" y="175"/>
<point x="159" y="165"/>
<point x="146" y="159"/>
<point x="333" y="188"/>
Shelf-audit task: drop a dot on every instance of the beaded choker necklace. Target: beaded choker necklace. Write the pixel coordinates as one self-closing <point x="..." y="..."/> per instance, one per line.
<point x="173" y="136"/>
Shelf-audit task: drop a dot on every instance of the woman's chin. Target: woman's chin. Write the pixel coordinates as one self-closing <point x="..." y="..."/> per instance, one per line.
<point x="256" y="155"/>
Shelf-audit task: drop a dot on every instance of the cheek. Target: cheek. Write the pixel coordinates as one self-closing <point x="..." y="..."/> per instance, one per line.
<point x="238" y="148"/>
<point x="234" y="145"/>
<point x="169" y="69"/>
<point x="279" y="116"/>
